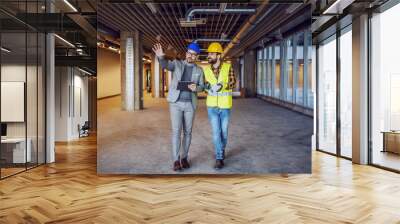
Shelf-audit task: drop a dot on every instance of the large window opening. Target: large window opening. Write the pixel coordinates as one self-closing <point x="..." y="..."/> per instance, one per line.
<point x="385" y="89"/>
<point x="346" y="92"/>
<point x="327" y="95"/>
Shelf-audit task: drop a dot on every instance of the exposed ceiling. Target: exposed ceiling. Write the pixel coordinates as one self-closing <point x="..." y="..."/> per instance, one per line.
<point x="161" y="22"/>
<point x="74" y="22"/>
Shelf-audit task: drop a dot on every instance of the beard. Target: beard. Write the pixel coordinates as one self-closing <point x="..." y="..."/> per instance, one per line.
<point x="190" y="60"/>
<point x="212" y="60"/>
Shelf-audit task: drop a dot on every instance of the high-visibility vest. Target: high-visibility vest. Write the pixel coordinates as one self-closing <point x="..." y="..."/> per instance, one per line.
<point x="223" y="98"/>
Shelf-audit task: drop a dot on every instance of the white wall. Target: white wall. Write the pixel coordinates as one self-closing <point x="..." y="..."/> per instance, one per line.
<point x="108" y="73"/>
<point x="62" y="83"/>
<point x="17" y="72"/>
<point x="71" y="102"/>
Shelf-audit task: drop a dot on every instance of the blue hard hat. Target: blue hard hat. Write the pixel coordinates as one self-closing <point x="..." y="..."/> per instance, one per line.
<point x="194" y="47"/>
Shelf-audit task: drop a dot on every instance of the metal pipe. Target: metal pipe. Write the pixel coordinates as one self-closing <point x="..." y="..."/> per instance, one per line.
<point x="268" y="27"/>
<point x="212" y="40"/>
<point x="194" y="10"/>
<point x="250" y="24"/>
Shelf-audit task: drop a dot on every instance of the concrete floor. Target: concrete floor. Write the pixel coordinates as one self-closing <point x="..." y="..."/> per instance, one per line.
<point x="263" y="138"/>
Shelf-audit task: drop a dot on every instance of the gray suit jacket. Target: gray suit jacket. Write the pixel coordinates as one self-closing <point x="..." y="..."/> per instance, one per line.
<point x="177" y="67"/>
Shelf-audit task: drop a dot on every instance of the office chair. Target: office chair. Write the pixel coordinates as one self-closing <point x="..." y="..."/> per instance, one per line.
<point x="84" y="130"/>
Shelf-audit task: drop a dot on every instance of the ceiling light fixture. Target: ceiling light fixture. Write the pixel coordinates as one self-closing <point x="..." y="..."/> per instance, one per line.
<point x="338" y="6"/>
<point x="70" y="5"/>
<point x="84" y="71"/>
<point x="64" y="40"/>
<point x="114" y="49"/>
<point x="5" y="50"/>
<point x="293" y="7"/>
<point x="152" y="7"/>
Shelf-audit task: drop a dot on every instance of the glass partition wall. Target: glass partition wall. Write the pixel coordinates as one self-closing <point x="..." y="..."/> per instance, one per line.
<point x="22" y="76"/>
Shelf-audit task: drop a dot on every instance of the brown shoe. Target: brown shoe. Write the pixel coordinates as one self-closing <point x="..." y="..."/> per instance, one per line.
<point x="219" y="164"/>
<point x="184" y="163"/>
<point x="177" y="166"/>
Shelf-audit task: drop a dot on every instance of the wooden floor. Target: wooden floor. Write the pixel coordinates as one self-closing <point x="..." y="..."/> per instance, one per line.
<point x="69" y="191"/>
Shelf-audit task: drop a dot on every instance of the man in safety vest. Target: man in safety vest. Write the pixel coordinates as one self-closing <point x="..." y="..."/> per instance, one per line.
<point x="220" y="81"/>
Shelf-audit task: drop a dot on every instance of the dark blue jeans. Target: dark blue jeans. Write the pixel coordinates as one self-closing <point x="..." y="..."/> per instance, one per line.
<point x="219" y="120"/>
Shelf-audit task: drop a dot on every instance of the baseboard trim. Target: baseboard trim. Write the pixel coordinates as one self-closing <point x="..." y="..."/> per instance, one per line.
<point x="106" y="97"/>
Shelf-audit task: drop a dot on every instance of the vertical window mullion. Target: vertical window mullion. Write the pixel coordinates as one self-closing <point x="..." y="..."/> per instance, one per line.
<point x="306" y="68"/>
<point x="338" y="73"/>
<point x="273" y="71"/>
<point x="26" y="87"/>
<point x="295" y="69"/>
<point x="282" y="85"/>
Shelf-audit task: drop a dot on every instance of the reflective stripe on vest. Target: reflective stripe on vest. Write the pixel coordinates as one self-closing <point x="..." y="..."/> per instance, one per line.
<point x="222" y="99"/>
<point x="220" y="94"/>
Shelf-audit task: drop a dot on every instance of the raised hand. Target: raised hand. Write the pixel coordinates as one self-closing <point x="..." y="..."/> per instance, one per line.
<point x="157" y="48"/>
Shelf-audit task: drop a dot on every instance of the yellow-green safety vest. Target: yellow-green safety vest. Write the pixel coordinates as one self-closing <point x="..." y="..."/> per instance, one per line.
<point x="222" y="99"/>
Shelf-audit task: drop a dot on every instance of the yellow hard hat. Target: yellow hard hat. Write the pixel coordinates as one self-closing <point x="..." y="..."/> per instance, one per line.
<point x="215" y="47"/>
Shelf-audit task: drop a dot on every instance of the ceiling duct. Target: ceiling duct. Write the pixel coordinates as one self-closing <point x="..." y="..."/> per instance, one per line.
<point x="211" y="40"/>
<point x="250" y="24"/>
<point x="188" y="21"/>
<point x="192" y="23"/>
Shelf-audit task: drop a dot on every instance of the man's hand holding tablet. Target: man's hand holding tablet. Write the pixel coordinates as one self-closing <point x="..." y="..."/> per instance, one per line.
<point x="186" y="86"/>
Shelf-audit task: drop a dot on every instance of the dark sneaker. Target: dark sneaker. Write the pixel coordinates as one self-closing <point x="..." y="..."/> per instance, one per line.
<point x="219" y="164"/>
<point x="177" y="166"/>
<point x="185" y="164"/>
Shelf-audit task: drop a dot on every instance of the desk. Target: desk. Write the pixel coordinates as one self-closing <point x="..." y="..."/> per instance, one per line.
<point x="17" y="150"/>
<point x="391" y="141"/>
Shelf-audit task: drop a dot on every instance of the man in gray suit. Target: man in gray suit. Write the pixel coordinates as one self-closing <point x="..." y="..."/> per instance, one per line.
<point x="182" y="100"/>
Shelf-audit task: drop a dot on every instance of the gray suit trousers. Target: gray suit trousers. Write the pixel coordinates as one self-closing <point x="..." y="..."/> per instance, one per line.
<point x="182" y="116"/>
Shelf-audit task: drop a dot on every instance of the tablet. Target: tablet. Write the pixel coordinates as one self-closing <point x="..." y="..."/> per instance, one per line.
<point x="183" y="85"/>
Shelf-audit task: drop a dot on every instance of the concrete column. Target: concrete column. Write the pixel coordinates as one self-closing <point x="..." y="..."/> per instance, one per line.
<point x="250" y="73"/>
<point x="156" y="70"/>
<point x="241" y="73"/>
<point x="169" y="79"/>
<point x="92" y="85"/>
<point x="236" y="70"/>
<point x="360" y="90"/>
<point x="131" y="71"/>
<point x="50" y="98"/>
